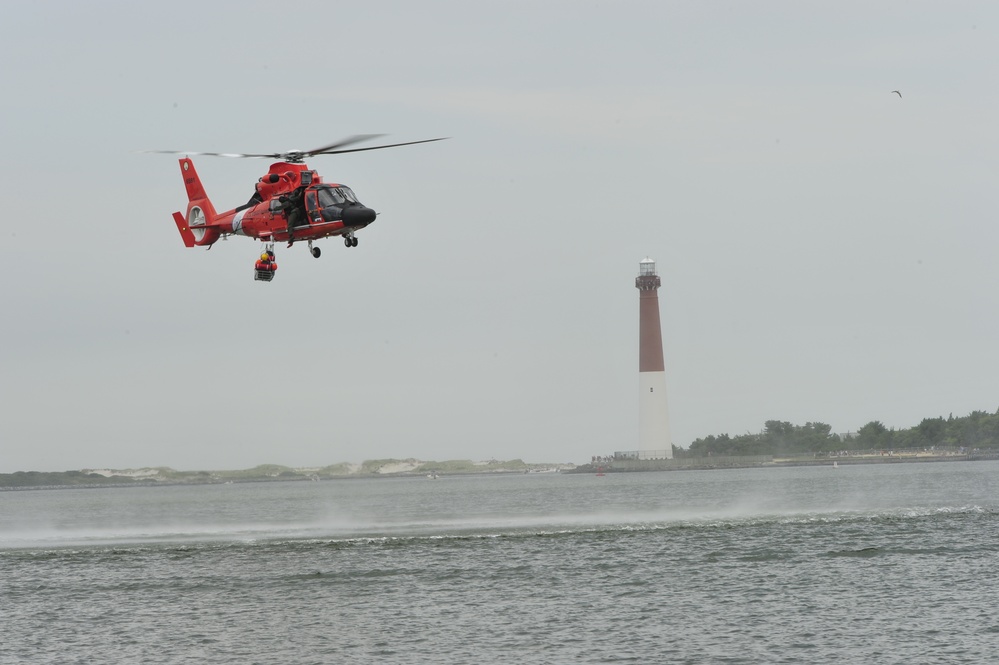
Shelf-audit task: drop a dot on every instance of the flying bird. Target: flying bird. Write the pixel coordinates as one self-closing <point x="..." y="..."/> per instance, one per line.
<point x="898" y="93"/>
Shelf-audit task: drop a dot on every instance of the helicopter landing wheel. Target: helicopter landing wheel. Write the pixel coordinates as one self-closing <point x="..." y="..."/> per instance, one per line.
<point x="316" y="252"/>
<point x="353" y="242"/>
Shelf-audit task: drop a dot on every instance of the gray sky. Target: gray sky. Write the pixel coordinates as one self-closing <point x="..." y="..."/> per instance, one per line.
<point x="826" y="248"/>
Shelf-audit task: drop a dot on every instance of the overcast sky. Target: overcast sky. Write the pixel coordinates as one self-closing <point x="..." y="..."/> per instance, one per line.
<point x="827" y="249"/>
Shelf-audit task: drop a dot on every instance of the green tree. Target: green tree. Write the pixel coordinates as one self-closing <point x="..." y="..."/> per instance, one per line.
<point x="874" y="435"/>
<point x="931" y="432"/>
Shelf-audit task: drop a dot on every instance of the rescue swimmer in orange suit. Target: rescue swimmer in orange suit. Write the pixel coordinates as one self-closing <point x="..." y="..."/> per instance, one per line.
<point x="266" y="262"/>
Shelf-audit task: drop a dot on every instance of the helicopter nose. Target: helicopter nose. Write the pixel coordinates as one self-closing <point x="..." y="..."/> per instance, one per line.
<point x="358" y="216"/>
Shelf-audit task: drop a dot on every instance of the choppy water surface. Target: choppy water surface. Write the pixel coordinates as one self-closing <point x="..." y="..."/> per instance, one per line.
<point x="881" y="563"/>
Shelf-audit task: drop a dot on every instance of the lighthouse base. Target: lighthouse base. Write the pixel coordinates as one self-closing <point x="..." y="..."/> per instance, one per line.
<point x="653" y="413"/>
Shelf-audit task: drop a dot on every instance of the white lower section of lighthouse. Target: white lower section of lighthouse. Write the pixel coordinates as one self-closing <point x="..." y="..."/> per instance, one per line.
<point x="653" y="413"/>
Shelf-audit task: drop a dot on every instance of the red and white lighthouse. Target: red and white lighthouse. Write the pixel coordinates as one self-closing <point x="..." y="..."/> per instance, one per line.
<point x="653" y="411"/>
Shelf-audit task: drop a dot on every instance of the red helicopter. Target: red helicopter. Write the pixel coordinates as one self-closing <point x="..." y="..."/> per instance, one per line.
<point x="290" y="204"/>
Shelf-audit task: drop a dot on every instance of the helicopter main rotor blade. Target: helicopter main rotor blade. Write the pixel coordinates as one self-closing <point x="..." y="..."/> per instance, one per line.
<point x="296" y="156"/>
<point x="209" y="154"/>
<point x="350" y="140"/>
<point x="375" y="147"/>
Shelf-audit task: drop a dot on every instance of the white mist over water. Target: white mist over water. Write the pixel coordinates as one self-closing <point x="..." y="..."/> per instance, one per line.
<point x="487" y="504"/>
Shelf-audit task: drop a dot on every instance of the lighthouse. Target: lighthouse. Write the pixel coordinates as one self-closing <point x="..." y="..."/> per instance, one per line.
<point x="653" y="412"/>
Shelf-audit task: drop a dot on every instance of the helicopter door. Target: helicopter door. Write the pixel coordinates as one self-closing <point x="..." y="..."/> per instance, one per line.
<point x="312" y="211"/>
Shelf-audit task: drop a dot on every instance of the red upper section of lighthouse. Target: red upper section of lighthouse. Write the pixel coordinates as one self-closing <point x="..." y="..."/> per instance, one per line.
<point x="650" y="337"/>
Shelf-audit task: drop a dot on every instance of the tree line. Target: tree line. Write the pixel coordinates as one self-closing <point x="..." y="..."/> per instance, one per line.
<point x="978" y="429"/>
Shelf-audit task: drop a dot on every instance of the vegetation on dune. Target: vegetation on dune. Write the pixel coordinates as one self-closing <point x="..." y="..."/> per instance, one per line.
<point x="260" y="473"/>
<point x="468" y="466"/>
<point x="341" y="469"/>
<point x="265" y="470"/>
<point x="376" y="465"/>
<point x="60" y="478"/>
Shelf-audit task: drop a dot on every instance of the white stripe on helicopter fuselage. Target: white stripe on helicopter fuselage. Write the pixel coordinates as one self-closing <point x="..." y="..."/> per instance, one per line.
<point x="237" y="223"/>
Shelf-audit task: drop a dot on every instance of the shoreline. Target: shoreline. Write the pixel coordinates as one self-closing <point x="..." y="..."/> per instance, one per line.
<point x="165" y="477"/>
<point x="611" y="466"/>
<point x="747" y="462"/>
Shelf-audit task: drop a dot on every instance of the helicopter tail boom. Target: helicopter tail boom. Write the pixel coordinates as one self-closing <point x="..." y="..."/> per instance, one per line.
<point x="198" y="226"/>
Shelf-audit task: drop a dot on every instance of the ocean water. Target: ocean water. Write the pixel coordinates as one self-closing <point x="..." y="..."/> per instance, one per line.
<point x="861" y="564"/>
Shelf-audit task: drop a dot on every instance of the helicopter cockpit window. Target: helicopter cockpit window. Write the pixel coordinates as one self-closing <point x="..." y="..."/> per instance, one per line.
<point x="329" y="196"/>
<point x="349" y="194"/>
